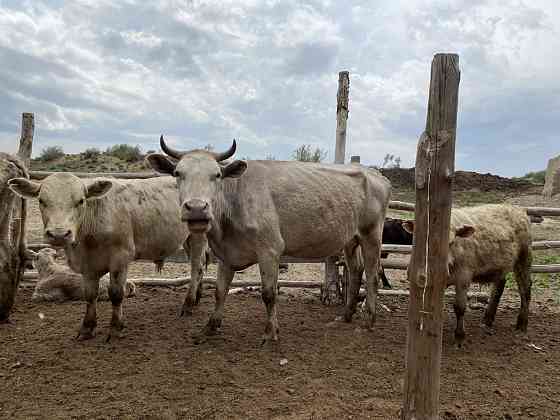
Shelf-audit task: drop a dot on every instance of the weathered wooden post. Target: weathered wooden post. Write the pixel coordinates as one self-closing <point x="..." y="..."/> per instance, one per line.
<point x="13" y="215"/>
<point x="341" y="116"/>
<point x="331" y="292"/>
<point x="428" y="272"/>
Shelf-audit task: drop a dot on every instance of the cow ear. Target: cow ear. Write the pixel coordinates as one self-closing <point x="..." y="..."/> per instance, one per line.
<point x="464" y="231"/>
<point x="24" y="187"/>
<point x="98" y="189"/>
<point x="161" y="163"/>
<point x="235" y="169"/>
<point x="408" y="225"/>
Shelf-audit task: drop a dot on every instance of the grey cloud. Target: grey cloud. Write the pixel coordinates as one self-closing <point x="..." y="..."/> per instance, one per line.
<point x="311" y="59"/>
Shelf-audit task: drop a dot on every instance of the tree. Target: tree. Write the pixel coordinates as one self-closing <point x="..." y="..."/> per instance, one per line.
<point x="51" y="153"/>
<point x="304" y="153"/>
<point x="391" y="161"/>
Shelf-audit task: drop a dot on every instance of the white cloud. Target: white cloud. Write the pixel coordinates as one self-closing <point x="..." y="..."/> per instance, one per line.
<point x="265" y="72"/>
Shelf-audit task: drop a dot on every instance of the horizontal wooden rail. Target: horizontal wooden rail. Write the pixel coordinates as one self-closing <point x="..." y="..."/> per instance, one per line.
<point x="38" y="175"/>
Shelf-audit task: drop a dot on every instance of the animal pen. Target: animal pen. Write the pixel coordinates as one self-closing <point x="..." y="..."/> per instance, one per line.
<point x="426" y="272"/>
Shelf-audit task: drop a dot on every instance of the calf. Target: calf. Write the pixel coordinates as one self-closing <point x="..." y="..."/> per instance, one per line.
<point x="485" y="243"/>
<point x="103" y="225"/>
<point x="57" y="283"/>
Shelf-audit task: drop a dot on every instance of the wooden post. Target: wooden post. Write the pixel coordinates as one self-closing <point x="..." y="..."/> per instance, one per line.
<point x="331" y="292"/>
<point x="341" y="116"/>
<point x="428" y="272"/>
<point x="26" y="139"/>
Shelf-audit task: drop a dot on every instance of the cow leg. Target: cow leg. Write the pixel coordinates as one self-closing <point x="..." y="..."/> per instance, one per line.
<point x="384" y="280"/>
<point x="91" y="289"/>
<point x="522" y="273"/>
<point x="116" y="294"/>
<point x="197" y="246"/>
<point x="268" y="268"/>
<point x="223" y="281"/>
<point x="355" y="271"/>
<point x="371" y="247"/>
<point x="460" y="305"/>
<point x="499" y="282"/>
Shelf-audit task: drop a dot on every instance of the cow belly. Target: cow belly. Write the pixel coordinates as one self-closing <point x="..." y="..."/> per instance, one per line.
<point x="316" y="244"/>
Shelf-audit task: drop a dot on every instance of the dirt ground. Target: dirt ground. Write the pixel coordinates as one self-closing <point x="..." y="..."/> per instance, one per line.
<point x="334" y="370"/>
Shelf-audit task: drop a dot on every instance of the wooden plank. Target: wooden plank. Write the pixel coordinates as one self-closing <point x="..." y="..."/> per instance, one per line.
<point x="401" y="205"/>
<point x="38" y="175"/>
<point x="542" y="245"/>
<point x="550" y="268"/>
<point x="428" y="273"/>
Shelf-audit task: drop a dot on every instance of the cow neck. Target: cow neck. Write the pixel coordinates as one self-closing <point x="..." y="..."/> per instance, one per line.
<point x="91" y="218"/>
<point x="222" y="207"/>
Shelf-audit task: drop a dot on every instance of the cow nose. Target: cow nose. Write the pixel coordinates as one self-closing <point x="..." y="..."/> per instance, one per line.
<point x="197" y="205"/>
<point x="195" y="210"/>
<point x="58" y="233"/>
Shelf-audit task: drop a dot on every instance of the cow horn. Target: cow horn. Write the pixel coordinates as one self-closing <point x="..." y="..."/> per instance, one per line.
<point x="223" y="156"/>
<point x="171" y="152"/>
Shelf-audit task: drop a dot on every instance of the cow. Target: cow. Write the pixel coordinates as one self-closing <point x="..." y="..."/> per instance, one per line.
<point x="252" y="213"/>
<point x="393" y="233"/>
<point x="485" y="243"/>
<point x="11" y="256"/>
<point x="57" y="283"/>
<point x="103" y="225"/>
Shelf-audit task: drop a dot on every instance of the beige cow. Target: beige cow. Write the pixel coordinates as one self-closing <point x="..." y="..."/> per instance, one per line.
<point x="486" y="243"/>
<point x="256" y="211"/>
<point x="103" y="225"/>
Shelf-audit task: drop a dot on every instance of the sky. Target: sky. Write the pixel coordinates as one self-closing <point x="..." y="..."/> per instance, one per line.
<point x="265" y="72"/>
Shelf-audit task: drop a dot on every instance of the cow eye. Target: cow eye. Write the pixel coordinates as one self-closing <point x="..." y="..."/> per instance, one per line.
<point x="81" y="202"/>
<point x="41" y="202"/>
<point x="218" y="175"/>
<point x="175" y="173"/>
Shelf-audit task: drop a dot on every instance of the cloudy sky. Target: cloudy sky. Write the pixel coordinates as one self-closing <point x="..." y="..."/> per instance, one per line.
<point x="100" y="72"/>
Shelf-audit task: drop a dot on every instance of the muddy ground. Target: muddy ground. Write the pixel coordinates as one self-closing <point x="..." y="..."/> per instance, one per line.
<point x="334" y="370"/>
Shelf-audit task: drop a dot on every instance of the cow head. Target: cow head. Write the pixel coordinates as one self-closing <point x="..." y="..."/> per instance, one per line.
<point x="63" y="198"/>
<point x="456" y="235"/>
<point x="199" y="175"/>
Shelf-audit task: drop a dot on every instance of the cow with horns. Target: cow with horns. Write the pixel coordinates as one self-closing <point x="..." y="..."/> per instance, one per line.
<point x="254" y="212"/>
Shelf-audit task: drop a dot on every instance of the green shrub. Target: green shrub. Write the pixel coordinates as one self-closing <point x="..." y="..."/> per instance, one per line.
<point x="304" y="154"/>
<point x="91" y="153"/>
<point x="51" y="153"/>
<point x="125" y="152"/>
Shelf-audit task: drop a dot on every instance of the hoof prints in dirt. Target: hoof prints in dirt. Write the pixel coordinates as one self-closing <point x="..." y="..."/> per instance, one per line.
<point x="331" y="372"/>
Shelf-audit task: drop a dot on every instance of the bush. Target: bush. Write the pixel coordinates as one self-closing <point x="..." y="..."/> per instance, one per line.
<point x="51" y="153"/>
<point x="126" y="152"/>
<point x="304" y="154"/>
<point x="535" y="177"/>
<point x="91" y="153"/>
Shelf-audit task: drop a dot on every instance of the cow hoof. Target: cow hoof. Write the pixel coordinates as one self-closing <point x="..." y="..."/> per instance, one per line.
<point x="199" y="338"/>
<point x="85" y="334"/>
<point x="521" y="325"/>
<point x="459" y="339"/>
<point x="212" y="327"/>
<point x="186" y="311"/>
<point x="348" y="315"/>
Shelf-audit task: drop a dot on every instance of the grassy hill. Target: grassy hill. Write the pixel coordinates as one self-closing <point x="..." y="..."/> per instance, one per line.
<point x="119" y="158"/>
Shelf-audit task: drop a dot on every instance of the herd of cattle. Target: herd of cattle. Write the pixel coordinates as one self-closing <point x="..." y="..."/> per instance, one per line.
<point x="253" y="213"/>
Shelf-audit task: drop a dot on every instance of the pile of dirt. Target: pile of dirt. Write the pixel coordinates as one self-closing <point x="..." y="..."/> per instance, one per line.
<point x="403" y="178"/>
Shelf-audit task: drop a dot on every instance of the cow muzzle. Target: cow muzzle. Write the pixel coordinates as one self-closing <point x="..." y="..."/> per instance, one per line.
<point x="59" y="236"/>
<point x="197" y="215"/>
